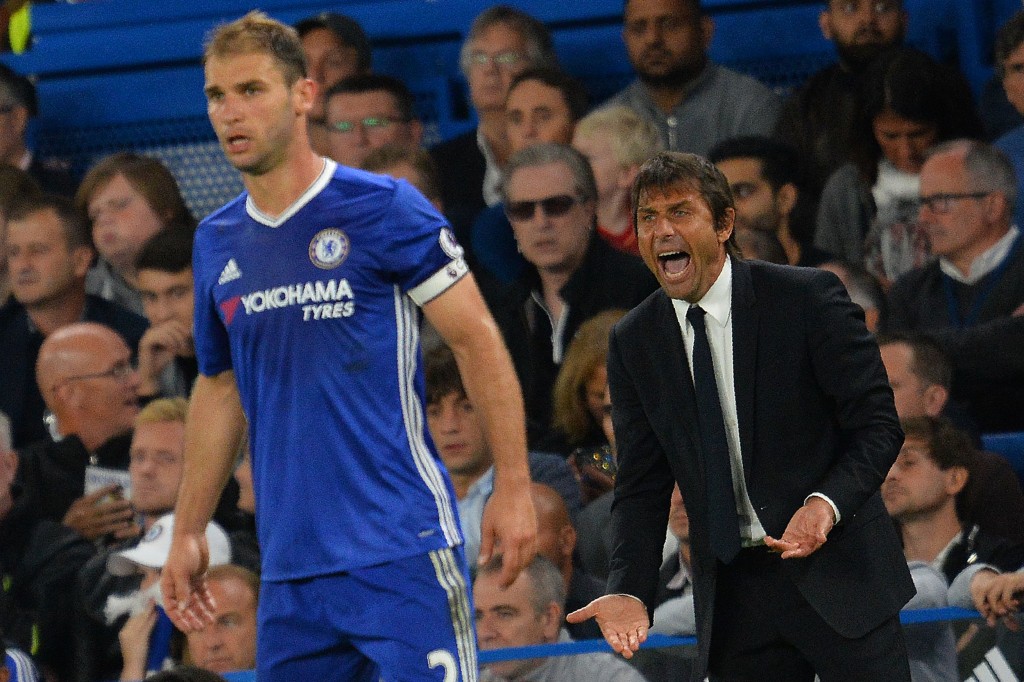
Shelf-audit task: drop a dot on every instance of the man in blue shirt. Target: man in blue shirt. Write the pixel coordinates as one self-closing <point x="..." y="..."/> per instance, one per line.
<point x="307" y="297"/>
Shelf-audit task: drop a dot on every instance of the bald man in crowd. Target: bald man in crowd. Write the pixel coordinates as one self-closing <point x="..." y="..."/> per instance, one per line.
<point x="556" y="540"/>
<point x="85" y="374"/>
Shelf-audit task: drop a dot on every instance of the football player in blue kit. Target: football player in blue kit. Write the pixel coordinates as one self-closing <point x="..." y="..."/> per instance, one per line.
<point x="309" y="290"/>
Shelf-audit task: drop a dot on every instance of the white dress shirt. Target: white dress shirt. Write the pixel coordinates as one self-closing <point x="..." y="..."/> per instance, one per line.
<point x="717" y="303"/>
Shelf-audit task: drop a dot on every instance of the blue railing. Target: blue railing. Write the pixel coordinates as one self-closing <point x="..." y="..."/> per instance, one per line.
<point x="654" y="641"/>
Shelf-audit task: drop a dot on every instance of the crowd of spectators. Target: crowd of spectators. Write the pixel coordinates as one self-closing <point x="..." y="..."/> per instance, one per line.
<point x="875" y="169"/>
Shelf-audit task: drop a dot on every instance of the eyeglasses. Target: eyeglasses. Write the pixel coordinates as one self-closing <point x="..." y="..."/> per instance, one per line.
<point x="552" y="207"/>
<point x="120" y="371"/>
<point x="502" y="60"/>
<point x="369" y="124"/>
<point x="942" y="203"/>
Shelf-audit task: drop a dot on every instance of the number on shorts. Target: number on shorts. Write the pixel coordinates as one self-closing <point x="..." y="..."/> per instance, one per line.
<point x="440" y="657"/>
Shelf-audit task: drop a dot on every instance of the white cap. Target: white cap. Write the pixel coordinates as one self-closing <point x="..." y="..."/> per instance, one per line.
<point x="153" y="549"/>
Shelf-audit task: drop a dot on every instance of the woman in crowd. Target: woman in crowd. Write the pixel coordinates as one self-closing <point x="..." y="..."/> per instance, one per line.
<point x="868" y="210"/>
<point x="578" y="404"/>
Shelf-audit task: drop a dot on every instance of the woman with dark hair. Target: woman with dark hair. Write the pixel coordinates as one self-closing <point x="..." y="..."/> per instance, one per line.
<point x="868" y="209"/>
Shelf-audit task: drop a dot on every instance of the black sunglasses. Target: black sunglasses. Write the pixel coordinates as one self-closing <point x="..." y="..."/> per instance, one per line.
<point x="553" y="207"/>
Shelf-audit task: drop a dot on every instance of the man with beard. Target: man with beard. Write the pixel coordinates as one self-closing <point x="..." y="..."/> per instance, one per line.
<point x="693" y="102"/>
<point x="764" y="177"/>
<point x="818" y="119"/>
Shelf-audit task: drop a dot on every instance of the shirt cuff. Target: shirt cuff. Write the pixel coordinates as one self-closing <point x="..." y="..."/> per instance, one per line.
<point x="632" y="596"/>
<point x="835" y="509"/>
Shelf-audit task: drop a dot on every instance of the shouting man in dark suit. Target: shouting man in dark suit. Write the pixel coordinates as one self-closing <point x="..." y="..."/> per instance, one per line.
<point x="758" y="389"/>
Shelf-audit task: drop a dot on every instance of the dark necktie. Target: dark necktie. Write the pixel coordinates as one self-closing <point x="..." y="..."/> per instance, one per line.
<point x="722" y="518"/>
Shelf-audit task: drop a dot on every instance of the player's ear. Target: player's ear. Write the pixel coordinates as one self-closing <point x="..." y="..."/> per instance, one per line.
<point x="303" y="94"/>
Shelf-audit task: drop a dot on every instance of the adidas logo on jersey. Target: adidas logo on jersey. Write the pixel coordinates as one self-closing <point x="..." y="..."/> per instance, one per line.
<point x="230" y="273"/>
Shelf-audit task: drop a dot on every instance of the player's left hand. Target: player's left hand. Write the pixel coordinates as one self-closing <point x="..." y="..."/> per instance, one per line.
<point x="509" y="528"/>
<point x="806" y="532"/>
<point x="187" y="599"/>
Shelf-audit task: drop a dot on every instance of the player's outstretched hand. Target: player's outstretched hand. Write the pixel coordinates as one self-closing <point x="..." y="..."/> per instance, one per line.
<point x="623" y="621"/>
<point x="509" y="528"/>
<point x="806" y="532"/>
<point x="187" y="598"/>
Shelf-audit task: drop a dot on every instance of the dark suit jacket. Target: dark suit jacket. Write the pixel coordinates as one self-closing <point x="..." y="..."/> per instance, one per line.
<point x="461" y="167"/>
<point x="815" y="413"/>
<point x="605" y="279"/>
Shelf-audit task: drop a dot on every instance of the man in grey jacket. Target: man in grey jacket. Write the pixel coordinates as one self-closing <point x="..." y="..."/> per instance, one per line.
<point x="693" y="102"/>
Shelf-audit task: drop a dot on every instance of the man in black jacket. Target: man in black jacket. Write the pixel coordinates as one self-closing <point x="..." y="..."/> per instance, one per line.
<point x="90" y="387"/>
<point x="39" y="561"/>
<point x="571" y="274"/>
<point x="49" y="254"/>
<point x="758" y="390"/>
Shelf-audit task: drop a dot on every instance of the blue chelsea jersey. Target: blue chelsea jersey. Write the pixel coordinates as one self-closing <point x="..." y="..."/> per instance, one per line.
<point x="316" y="312"/>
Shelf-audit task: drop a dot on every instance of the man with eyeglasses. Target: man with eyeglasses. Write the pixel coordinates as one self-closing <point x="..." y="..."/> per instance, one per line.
<point x="336" y="48"/>
<point x="366" y="112"/>
<point x="85" y="374"/>
<point x="48" y="256"/>
<point x="693" y="102"/>
<point x="502" y="43"/>
<point x="971" y="297"/>
<point x="571" y="274"/>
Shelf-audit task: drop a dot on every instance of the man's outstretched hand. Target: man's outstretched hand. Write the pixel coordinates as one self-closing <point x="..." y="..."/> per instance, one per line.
<point x="806" y="532"/>
<point x="623" y="621"/>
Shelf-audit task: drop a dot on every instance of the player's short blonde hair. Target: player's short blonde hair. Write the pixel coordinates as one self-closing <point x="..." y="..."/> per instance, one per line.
<point x="256" y="33"/>
<point x="632" y="139"/>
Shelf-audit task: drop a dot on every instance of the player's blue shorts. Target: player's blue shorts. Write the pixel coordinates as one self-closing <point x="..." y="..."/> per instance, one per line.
<point x="403" y="621"/>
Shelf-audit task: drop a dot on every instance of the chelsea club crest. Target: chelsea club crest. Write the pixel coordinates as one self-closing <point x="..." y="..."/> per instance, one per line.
<point x="449" y="245"/>
<point x="328" y="248"/>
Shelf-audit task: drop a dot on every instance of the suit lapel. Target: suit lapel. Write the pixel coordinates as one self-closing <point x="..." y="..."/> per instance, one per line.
<point x="745" y="328"/>
<point x="674" y="378"/>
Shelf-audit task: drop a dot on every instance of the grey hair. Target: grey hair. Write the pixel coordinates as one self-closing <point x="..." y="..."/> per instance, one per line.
<point x="540" y="50"/>
<point x="541" y="155"/>
<point x="6" y="437"/>
<point x="988" y="167"/>
<point x="546" y="583"/>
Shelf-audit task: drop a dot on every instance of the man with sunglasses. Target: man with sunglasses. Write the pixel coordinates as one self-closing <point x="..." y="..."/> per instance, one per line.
<point x="571" y="273"/>
<point x="366" y="112"/>
<point x="971" y="297"/>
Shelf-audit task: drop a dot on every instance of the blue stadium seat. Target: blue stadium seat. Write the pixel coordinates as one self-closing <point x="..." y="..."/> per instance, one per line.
<point x="1010" y="446"/>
